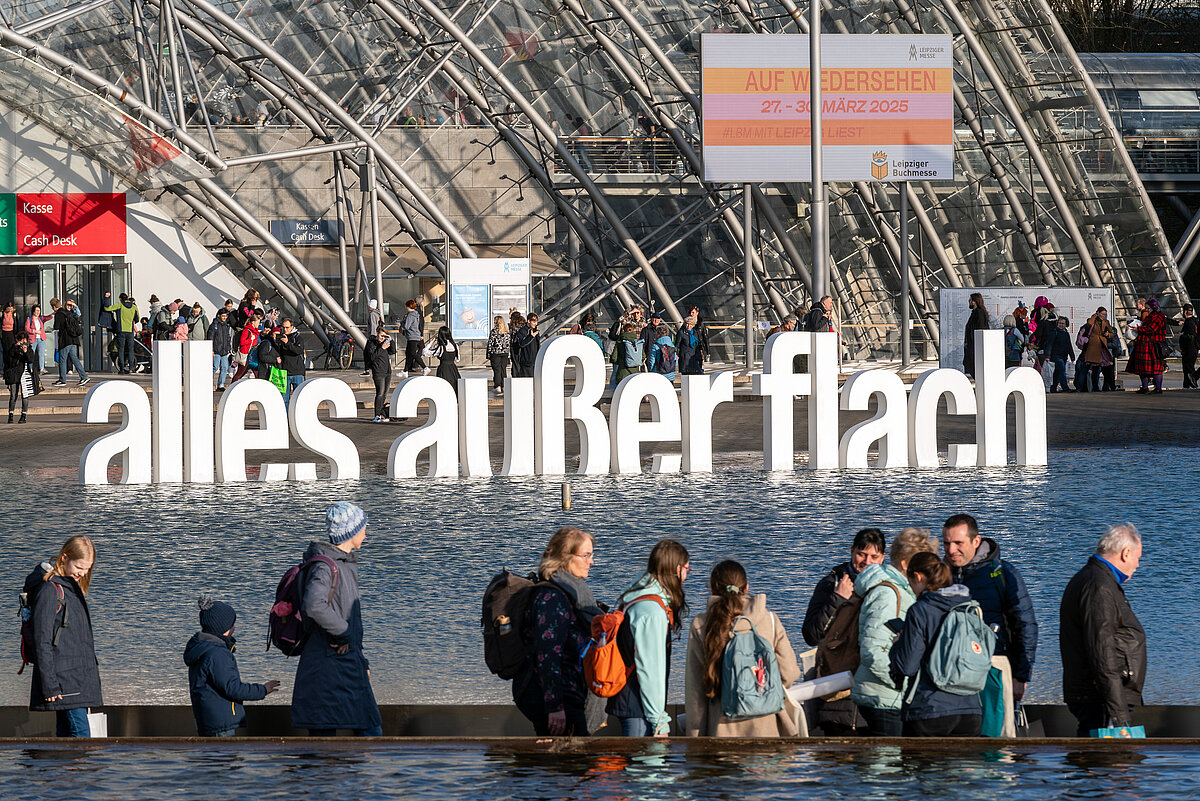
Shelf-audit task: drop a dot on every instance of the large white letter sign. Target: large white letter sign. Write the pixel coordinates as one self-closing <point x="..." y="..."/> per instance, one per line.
<point x="701" y="394"/>
<point x="823" y="403"/>
<point x="167" y="383"/>
<point x="234" y="439"/>
<point x="993" y="385"/>
<point x="779" y="384"/>
<point x="131" y="441"/>
<point x="552" y="410"/>
<point x="889" y="426"/>
<point x="518" y="427"/>
<point x="439" y="435"/>
<point x="474" y="451"/>
<point x="197" y="411"/>
<point x="338" y="449"/>
<point x="629" y="431"/>
<point x="927" y="390"/>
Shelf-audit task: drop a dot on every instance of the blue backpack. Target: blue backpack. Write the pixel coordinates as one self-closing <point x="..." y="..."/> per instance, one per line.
<point x="961" y="657"/>
<point x="750" y="683"/>
<point x="668" y="360"/>
<point x="633" y="353"/>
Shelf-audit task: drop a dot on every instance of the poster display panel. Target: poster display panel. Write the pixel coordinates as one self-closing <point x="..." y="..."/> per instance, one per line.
<point x="1076" y="303"/>
<point x="887" y="107"/>
<point x="507" y="298"/>
<point x="469" y="314"/>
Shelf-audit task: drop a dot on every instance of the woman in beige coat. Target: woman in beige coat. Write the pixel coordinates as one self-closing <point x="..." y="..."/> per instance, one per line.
<point x="707" y="639"/>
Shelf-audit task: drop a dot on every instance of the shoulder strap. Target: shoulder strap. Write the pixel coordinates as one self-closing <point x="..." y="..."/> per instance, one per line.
<point x="658" y="600"/>
<point x="896" y="590"/>
<point x="332" y="569"/>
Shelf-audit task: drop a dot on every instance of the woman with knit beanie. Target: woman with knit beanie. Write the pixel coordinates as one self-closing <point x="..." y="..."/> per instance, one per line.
<point x="333" y="682"/>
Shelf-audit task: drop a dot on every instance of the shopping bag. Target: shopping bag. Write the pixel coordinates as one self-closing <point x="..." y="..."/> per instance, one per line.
<point x="279" y="379"/>
<point x="98" y="724"/>
<point x="1121" y="733"/>
<point x="1048" y="374"/>
<point x="1029" y="359"/>
<point x="26" y="384"/>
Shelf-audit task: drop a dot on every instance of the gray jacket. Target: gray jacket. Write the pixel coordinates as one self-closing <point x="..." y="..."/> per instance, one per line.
<point x="412" y="325"/>
<point x="327" y="606"/>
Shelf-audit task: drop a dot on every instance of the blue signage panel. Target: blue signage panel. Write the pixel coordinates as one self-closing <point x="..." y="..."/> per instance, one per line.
<point x="305" y="232"/>
<point x="469" y="312"/>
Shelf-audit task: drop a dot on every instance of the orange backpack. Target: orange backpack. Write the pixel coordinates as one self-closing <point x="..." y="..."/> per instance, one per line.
<point x="606" y="668"/>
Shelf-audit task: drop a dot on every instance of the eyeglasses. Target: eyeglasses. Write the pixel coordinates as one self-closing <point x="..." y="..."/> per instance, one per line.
<point x="587" y="557"/>
<point x="687" y="570"/>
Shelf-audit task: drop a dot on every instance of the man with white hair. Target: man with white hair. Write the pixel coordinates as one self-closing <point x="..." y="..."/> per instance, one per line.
<point x="1102" y="643"/>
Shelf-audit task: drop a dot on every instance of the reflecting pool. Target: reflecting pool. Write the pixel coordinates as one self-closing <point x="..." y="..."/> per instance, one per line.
<point x="432" y="545"/>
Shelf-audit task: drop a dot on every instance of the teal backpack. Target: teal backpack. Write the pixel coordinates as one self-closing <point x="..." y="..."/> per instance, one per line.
<point x="750" y="683"/>
<point x="962" y="651"/>
<point x="633" y="352"/>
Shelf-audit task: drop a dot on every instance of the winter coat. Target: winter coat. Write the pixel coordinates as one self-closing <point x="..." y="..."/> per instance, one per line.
<point x="627" y="340"/>
<point x="163" y="324"/>
<point x="557" y="633"/>
<point x="197" y="327"/>
<point x="412" y="325"/>
<point x="182" y="332"/>
<point x="1005" y="602"/>
<point x="1099" y="332"/>
<point x="63" y="327"/>
<point x="332" y="691"/>
<point x="592" y="335"/>
<point x="822" y="607"/>
<point x="645" y="694"/>
<point x="910" y="656"/>
<point x="656" y="355"/>
<point x="268" y="355"/>
<point x="1143" y="356"/>
<point x="374" y="321"/>
<point x="1058" y="345"/>
<point x="248" y="340"/>
<point x="126" y="315"/>
<point x="221" y="335"/>
<point x="15" y="363"/>
<point x="691" y="362"/>
<point x="498" y="344"/>
<point x="216" y="686"/>
<point x="66" y="666"/>
<point x="1102" y="643"/>
<point x="704" y="717"/>
<point x="292" y="352"/>
<point x="378" y="358"/>
<point x="978" y="321"/>
<point x="873" y="685"/>
<point x="525" y="344"/>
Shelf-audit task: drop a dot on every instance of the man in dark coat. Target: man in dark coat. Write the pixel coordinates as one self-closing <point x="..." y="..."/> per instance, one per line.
<point x="290" y="344"/>
<point x="1001" y="593"/>
<point x="841" y="718"/>
<point x="214" y="682"/>
<point x="68" y="336"/>
<point x="333" y="683"/>
<point x="1102" y="643"/>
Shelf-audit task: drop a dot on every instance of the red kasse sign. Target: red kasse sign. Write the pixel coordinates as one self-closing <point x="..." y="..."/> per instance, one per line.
<point x="91" y="224"/>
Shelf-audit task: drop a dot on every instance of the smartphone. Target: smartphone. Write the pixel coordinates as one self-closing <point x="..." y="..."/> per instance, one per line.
<point x="895" y="625"/>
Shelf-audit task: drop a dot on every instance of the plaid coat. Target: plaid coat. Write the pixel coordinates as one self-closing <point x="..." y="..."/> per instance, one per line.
<point x="1143" y="357"/>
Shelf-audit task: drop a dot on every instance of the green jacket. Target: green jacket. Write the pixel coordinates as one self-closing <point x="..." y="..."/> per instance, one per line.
<point x="126" y="313"/>
<point x="873" y="685"/>
<point x="627" y="340"/>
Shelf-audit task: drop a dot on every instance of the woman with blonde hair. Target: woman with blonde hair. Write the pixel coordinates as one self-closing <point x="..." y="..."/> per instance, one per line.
<point x="730" y="607"/>
<point x="498" y="346"/>
<point x="66" y="676"/>
<point x="550" y="690"/>
<point x="654" y="606"/>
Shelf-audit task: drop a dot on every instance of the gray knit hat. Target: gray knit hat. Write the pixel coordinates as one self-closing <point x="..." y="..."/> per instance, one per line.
<point x="343" y="521"/>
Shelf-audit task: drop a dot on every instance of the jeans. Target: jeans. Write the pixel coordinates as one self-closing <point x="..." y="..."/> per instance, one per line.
<point x="882" y="722"/>
<point x="68" y="357"/>
<point x="72" y="723"/>
<point x="38" y="346"/>
<point x="126" y="358"/>
<point x="634" y="727"/>
<point x="221" y="368"/>
<point x="293" y="381"/>
<point x="381" y="389"/>
<point x="374" y="731"/>
<point x="1060" y="375"/>
<point x="14" y="392"/>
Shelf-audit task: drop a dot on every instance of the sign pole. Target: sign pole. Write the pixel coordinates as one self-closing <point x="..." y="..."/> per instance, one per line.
<point x="905" y="269"/>
<point x="820" y="220"/>
<point x="747" y="250"/>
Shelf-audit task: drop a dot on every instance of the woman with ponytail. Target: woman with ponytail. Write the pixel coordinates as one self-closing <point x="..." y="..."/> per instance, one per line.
<point x="709" y="634"/>
<point x="654" y="606"/>
<point x="929" y="711"/>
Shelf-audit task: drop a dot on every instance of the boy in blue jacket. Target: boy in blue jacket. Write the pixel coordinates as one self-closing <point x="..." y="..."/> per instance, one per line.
<point x="216" y="687"/>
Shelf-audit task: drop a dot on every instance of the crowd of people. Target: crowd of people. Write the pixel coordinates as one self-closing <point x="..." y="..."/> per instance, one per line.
<point x="900" y="597"/>
<point x="1044" y="339"/>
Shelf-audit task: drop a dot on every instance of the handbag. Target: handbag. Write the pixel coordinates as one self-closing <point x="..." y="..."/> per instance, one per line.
<point x="1160" y="350"/>
<point x="279" y="378"/>
<point x="27" y="384"/>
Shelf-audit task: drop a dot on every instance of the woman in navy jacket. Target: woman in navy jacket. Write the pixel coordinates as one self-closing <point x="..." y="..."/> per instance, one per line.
<point x="929" y="711"/>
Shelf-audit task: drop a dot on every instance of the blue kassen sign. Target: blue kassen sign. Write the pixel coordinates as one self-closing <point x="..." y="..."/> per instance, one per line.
<point x="305" y="232"/>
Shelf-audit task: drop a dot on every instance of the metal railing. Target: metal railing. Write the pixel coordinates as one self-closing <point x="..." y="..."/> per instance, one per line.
<point x="623" y="155"/>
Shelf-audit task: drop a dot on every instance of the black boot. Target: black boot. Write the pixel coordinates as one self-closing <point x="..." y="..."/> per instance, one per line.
<point x="10" y="415"/>
<point x="22" y="420"/>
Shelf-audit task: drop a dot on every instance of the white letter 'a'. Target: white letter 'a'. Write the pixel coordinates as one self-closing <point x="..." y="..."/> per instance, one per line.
<point x="131" y="441"/>
<point x="439" y="435"/>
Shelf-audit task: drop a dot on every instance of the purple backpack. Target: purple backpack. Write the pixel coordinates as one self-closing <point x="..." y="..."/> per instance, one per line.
<point x="286" y="623"/>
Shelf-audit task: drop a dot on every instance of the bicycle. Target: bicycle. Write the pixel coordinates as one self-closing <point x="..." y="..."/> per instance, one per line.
<point x="339" y="350"/>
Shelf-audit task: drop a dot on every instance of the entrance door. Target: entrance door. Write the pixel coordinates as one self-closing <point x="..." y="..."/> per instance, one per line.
<point x="86" y="285"/>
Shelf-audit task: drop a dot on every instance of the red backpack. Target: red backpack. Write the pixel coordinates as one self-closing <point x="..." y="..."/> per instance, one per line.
<point x="606" y="664"/>
<point x="285" y="625"/>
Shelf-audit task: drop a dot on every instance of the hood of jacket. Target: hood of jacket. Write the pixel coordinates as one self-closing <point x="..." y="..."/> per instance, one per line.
<point x="319" y="548"/>
<point x="646" y="585"/>
<point x="665" y="340"/>
<point x="202" y="644"/>
<point x="874" y="575"/>
<point x="989" y="552"/>
<point x="947" y="597"/>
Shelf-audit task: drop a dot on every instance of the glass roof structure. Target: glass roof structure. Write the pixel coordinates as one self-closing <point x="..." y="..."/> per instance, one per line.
<point x="599" y="100"/>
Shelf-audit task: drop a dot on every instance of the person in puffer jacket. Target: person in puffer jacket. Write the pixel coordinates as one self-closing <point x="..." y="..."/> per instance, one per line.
<point x="929" y="711"/>
<point x="215" y="685"/>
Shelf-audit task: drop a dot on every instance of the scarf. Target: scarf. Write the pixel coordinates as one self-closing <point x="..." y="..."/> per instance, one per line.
<point x="579" y="592"/>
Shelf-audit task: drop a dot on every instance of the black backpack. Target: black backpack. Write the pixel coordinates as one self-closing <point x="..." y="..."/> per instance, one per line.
<point x="33" y="582"/>
<point x="505" y="603"/>
<point x="72" y="326"/>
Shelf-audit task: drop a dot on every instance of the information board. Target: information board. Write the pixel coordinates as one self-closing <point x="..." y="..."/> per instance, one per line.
<point x="1076" y="303"/>
<point x="479" y="286"/>
<point x="887" y="104"/>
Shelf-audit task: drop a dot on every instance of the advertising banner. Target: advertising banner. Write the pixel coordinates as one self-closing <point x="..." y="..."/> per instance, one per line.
<point x="469" y="318"/>
<point x="83" y="224"/>
<point x="1076" y="303"/>
<point x="887" y="107"/>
